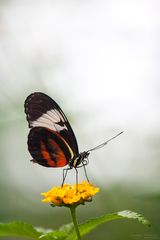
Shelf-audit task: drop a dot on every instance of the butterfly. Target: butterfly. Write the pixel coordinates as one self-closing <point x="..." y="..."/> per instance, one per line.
<point x="51" y="140"/>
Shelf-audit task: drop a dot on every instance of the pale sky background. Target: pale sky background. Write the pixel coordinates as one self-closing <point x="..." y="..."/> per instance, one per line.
<point x="100" y="61"/>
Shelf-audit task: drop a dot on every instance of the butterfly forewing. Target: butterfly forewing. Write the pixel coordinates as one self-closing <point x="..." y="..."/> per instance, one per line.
<point x="51" y="140"/>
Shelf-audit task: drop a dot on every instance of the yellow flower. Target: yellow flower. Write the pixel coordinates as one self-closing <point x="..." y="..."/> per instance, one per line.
<point x="70" y="194"/>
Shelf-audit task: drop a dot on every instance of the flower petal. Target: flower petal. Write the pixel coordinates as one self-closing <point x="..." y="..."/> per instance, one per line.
<point x="70" y="194"/>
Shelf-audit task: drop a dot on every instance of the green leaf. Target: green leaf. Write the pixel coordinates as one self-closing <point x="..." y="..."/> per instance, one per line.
<point x="134" y="215"/>
<point x="60" y="234"/>
<point x="67" y="228"/>
<point x="18" y="229"/>
<point x="93" y="223"/>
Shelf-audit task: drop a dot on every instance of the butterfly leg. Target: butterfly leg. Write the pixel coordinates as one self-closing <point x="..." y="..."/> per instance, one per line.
<point x="65" y="171"/>
<point x="84" y="163"/>
<point x="76" y="176"/>
<point x="76" y="179"/>
<point x="85" y="171"/>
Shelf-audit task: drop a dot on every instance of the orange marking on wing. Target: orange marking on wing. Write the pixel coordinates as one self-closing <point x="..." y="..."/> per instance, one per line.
<point x="59" y="155"/>
<point x="58" y="135"/>
<point x="46" y="155"/>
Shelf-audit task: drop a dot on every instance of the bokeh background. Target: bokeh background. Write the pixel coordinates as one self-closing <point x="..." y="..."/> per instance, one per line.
<point x="100" y="61"/>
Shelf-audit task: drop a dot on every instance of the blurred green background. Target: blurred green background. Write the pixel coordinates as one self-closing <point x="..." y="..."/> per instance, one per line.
<point x="100" y="61"/>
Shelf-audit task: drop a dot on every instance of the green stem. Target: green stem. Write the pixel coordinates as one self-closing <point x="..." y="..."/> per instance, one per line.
<point x="74" y="219"/>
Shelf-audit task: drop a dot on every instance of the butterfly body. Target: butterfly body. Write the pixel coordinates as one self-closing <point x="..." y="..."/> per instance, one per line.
<point x="81" y="158"/>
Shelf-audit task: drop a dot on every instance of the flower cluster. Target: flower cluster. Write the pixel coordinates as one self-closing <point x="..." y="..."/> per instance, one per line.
<point x="70" y="194"/>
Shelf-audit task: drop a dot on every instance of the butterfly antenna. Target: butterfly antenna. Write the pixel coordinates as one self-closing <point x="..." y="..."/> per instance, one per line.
<point x="103" y="144"/>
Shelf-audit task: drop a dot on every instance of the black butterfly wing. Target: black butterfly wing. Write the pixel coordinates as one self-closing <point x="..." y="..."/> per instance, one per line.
<point x="51" y="140"/>
<point x="48" y="148"/>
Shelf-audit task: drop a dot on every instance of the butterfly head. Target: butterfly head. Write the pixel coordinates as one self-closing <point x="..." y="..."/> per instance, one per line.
<point x="81" y="158"/>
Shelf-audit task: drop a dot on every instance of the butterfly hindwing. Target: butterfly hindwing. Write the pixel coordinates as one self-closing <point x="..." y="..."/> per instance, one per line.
<point x="48" y="148"/>
<point x="51" y="140"/>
